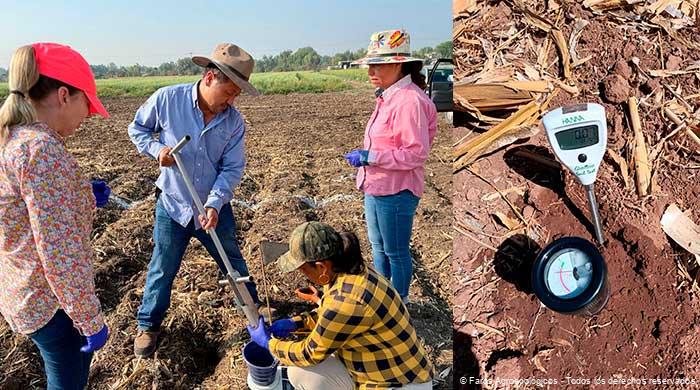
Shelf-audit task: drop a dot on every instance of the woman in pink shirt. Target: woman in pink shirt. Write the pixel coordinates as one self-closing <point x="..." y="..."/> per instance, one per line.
<point x="397" y="142"/>
<point x="46" y="212"/>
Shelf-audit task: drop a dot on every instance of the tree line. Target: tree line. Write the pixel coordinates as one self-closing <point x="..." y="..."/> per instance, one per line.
<point x="305" y="58"/>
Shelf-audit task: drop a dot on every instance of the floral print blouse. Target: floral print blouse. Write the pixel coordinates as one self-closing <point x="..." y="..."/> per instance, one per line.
<point x="46" y="213"/>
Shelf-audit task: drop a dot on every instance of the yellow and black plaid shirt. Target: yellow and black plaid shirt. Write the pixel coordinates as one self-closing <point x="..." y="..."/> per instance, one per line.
<point x="362" y="321"/>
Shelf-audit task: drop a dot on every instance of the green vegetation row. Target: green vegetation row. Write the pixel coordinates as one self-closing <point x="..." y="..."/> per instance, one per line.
<point x="267" y="83"/>
<point x="303" y="59"/>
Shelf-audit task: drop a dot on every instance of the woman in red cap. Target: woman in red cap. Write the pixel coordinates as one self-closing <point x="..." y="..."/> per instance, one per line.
<point x="46" y="212"/>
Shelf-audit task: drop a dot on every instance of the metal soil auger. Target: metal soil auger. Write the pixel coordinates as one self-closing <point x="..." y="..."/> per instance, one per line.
<point x="263" y="369"/>
<point x="237" y="282"/>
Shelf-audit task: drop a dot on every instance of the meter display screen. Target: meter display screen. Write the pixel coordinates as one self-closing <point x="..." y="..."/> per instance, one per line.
<point x="578" y="137"/>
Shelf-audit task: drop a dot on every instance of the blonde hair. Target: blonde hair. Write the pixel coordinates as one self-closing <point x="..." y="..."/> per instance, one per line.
<point x="22" y="76"/>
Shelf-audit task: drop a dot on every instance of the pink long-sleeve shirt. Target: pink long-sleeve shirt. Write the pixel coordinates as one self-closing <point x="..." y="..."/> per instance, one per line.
<point x="46" y="213"/>
<point x="399" y="135"/>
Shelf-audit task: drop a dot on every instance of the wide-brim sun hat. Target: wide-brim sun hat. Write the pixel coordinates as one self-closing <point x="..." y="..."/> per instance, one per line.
<point x="236" y="63"/>
<point x="388" y="47"/>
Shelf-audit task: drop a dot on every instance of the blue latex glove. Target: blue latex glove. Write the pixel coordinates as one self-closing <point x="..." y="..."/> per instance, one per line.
<point x="101" y="191"/>
<point x="358" y="158"/>
<point x="96" y="341"/>
<point x="282" y="328"/>
<point x="260" y="335"/>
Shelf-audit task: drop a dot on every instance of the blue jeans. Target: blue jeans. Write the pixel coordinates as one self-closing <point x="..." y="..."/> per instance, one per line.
<point x="59" y="343"/>
<point x="389" y="225"/>
<point x="171" y="240"/>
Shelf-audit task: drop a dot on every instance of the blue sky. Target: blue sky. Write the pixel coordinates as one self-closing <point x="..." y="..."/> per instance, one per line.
<point x="152" y="32"/>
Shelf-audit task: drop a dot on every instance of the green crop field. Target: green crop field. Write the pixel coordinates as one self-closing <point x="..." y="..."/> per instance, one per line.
<point x="354" y="74"/>
<point x="267" y="83"/>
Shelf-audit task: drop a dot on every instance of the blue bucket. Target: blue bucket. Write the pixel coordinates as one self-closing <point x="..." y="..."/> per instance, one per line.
<point x="262" y="366"/>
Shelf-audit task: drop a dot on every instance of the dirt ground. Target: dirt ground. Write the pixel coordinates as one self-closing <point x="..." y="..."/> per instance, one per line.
<point x="295" y="173"/>
<point x="649" y="327"/>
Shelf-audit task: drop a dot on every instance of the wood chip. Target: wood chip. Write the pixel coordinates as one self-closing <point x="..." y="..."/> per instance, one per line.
<point x="621" y="165"/>
<point x="641" y="164"/>
<point x="509" y="223"/>
<point x="681" y="229"/>
<point x="496" y="195"/>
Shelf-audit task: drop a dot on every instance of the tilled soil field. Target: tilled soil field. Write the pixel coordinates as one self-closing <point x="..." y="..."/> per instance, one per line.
<point x="295" y="173"/>
<point x="649" y="327"/>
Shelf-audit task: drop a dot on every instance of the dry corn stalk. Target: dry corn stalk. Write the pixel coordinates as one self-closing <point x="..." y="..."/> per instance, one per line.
<point x="560" y="41"/>
<point x="641" y="163"/>
<point x="534" y="19"/>
<point x="573" y="42"/>
<point x="680" y="11"/>
<point x="675" y="119"/>
<point x="467" y="152"/>
<point x="497" y="96"/>
<point x="606" y="5"/>
<point x="662" y="73"/>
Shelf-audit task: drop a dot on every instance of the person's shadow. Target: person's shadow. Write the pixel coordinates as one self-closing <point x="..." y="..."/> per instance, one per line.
<point x="547" y="174"/>
<point x="466" y="366"/>
<point x="514" y="260"/>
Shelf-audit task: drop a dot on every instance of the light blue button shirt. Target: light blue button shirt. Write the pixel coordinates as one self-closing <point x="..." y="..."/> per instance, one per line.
<point x="214" y="158"/>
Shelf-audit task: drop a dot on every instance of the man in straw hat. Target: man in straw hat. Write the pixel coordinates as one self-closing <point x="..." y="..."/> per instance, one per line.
<point x="215" y="157"/>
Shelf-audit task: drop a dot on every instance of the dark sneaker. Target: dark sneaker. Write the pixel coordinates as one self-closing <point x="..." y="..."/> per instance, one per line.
<point x="145" y="343"/>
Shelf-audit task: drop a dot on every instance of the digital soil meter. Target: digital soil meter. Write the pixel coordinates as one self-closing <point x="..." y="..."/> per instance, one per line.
<point x="569" y="276"/>
<point x="578" y="135"/>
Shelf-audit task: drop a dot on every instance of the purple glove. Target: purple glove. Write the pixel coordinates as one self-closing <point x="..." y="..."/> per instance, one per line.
<point x="101" y="191"/>
<point x="260" y="335"/>
<point x="358" y="158"/>
<point x="282" y="328"/>
<point x="96" y="341"/>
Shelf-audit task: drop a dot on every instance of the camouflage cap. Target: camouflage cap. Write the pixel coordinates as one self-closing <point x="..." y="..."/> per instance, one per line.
<point x="310" y="241"/>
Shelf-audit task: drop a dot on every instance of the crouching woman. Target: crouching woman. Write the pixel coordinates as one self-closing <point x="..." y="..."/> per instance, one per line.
<point x="360" y="335"/>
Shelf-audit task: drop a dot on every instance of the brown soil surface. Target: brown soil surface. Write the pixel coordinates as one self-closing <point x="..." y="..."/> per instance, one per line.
<point x="295" y="173"/>
<point x="649" y="327"/>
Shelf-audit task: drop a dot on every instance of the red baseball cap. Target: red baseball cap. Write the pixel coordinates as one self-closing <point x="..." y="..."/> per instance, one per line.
<point x="64" y="64"/>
